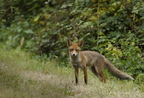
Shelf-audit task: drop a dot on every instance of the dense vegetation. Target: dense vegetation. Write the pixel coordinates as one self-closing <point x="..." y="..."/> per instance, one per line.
<point x="115" y="28"/>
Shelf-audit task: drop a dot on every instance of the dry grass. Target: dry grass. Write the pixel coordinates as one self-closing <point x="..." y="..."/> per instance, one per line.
<point x="24" y="77"/>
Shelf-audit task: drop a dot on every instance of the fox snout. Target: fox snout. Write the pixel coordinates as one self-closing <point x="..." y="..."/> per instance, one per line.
<point x="74" y="54"/>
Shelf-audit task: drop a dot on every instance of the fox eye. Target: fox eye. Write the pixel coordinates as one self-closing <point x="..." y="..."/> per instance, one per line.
<point x="77" y="50"/>
<point x="71" y="49"/>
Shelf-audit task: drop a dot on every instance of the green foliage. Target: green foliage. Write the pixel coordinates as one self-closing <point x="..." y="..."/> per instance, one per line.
<point x="114" y="28"/>
<point x="140" y="79"/>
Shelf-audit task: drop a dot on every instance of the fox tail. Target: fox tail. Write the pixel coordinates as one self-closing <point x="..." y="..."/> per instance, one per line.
<point x="116" y="72"/>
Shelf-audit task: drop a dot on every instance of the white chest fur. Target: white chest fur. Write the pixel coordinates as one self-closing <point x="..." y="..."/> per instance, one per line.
<point x="76" y="61"/>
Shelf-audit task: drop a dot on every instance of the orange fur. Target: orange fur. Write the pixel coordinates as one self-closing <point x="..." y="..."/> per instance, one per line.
<point x="92" y="59"/>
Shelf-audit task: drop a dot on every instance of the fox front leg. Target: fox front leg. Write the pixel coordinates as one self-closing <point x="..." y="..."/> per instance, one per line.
<point x="85" y="75"/>
<point x="76" y="74"/>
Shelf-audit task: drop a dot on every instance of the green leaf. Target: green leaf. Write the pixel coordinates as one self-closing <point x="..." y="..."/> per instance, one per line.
<point x="29" y="31"/>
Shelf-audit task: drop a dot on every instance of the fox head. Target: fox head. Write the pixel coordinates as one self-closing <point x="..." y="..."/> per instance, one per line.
<point x="74" y="48"/>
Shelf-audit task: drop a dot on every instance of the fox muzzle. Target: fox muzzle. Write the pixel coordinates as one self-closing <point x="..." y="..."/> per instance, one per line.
<point x="74" y="54"/>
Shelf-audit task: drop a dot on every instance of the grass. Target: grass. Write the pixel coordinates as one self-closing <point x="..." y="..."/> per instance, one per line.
<point x="23" y="75"/>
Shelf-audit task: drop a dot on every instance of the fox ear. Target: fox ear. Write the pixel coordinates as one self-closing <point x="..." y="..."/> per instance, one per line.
<point x="69" y="43"/>
<point x="80" y="43"/>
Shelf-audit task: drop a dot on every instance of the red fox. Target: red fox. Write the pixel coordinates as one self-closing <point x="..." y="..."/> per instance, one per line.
<point x="96" y="62"/>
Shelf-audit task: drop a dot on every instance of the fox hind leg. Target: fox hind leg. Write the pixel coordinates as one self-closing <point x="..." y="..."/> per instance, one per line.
<point x="103" y="78"/>
<point x="93" y="69"/>
<point x="99" y="73"/>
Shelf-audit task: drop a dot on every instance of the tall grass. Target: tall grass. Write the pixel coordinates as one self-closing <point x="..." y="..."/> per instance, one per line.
<point x="16" y="81"/>
<point x="24" y="75"/>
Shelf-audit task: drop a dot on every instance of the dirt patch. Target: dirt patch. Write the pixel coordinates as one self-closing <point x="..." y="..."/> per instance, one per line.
<point x="72" y="89"/>
<point x="38" y="76"/>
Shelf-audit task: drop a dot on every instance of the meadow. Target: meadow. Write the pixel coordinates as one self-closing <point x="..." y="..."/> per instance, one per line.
<point x="24" y="75"/>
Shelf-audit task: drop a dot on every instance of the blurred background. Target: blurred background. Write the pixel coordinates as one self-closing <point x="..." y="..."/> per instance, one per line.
<point x="114" y="28"/>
